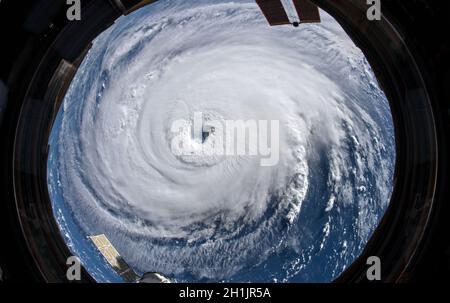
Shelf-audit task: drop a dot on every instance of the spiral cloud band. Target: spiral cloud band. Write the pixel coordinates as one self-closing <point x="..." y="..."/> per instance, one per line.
<point x="113" y="167"/>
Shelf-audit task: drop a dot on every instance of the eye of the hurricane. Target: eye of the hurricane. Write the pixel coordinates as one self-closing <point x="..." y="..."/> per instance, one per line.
<point x="209" y="146"/>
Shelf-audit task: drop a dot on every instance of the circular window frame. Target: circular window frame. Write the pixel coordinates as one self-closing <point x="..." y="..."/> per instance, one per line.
<point x="397" y="241"/>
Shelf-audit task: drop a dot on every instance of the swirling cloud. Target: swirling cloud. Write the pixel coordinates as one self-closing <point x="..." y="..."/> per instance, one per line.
<point x="221" y="218"/>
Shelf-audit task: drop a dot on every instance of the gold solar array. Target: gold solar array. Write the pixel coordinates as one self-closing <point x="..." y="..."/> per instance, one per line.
<point x="113" y="257"/>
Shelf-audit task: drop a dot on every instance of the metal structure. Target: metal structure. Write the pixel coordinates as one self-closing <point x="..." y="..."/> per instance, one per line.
<point x="275" y="12"/>
<point x="153" y="277"/>
<point x="114" y="258"/>
<point x="307" y="11"/>
<point x="120" y="266"/>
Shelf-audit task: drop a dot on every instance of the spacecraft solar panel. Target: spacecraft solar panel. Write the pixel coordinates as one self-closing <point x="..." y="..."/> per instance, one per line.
<point x="274" y="11"/>
<point x="307" y="11"/>
<point x="112" y="256"/>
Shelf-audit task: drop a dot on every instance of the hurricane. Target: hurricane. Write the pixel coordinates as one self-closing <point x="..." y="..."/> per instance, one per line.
<point x="113" y="169"/>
